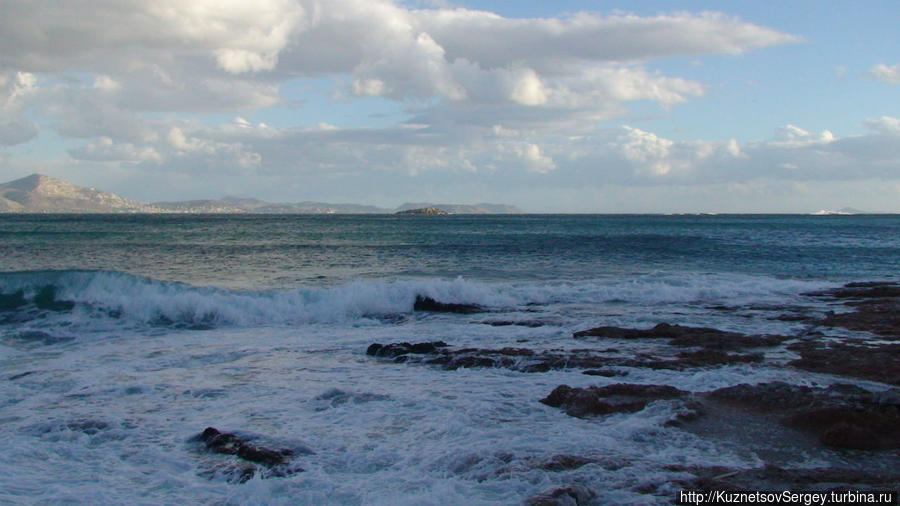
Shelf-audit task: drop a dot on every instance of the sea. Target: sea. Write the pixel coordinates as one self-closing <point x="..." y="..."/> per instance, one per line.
<point x="122" y="337"/>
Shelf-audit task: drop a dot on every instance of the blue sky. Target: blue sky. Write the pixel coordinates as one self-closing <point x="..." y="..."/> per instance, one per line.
<point x="570" y="106"/>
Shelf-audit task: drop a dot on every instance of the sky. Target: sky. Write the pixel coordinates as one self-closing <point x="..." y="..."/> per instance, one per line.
<point x="565" y="106"/>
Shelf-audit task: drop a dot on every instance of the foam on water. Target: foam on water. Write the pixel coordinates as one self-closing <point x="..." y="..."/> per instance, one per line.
<point x="96" y="294"/>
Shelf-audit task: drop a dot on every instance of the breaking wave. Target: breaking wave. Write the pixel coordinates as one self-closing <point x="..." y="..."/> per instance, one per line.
<point x="121" y="296"/>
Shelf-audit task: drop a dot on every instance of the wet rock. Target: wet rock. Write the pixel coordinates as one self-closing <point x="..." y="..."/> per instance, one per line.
<point x="679" y="335"/>
<point x="397" y="349"/>
<point x="607" y="373"/>
<point x="843" y="416"/>
<point x="558" y="463"/>
<point x="440" y="354"/>
<point x="772" y="477"/>
<point x="570" y="495"/>
<point x="231" y="444"/>
<point x="876" y="307"/>
<point x="879" y="316"/>
<point x="871" y="361"/>
<point x="428" y="304"/>
<point x="617" y="398"/>
<point x="533" y="324"/>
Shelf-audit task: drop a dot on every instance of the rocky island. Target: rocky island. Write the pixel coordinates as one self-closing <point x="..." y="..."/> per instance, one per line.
<point x="423" y="210"/>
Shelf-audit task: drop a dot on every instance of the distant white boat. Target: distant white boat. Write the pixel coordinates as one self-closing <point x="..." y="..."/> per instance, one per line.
<point x="843" y="211"/>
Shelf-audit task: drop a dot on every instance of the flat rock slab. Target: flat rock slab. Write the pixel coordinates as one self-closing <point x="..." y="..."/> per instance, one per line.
<point x="778" y="478"/>
<point x="680" y="335"/>
<point x="876" y="307"/>
<point x="841" y="416"/>
<point x="439" y="353"/>
<point x="861" y="359"/>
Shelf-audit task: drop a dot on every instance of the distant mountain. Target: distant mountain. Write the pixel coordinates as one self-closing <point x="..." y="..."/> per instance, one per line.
<point x="42" y="194"/>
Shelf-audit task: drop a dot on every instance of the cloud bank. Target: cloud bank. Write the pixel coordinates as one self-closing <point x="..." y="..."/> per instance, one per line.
<point x="142" y="87"/>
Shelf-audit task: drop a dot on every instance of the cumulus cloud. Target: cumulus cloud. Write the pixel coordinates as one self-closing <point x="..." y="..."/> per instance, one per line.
<point x="15" y="88"/>
<point x="887" y="73"/>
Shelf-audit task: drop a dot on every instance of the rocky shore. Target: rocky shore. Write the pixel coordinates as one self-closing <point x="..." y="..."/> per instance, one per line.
<point x="854" y="429"/>
<point x="860" y="424"/>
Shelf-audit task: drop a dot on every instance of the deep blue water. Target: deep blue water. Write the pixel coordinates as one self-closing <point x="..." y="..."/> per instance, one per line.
<point x="287" y="251"/>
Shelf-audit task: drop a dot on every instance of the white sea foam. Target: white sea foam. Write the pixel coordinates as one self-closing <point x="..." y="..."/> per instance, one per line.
<point x="145" y="300"/>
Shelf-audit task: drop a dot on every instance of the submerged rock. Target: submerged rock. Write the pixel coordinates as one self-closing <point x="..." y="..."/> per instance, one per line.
<point x="618" y="398"/>
<point x="843" y="416"/>
<point x="275" y="463"/>
<point x="224" y="442"/>
<point x="772" y="477"/>
<point x="439" y="353"/>
<point x="569" y="495"/>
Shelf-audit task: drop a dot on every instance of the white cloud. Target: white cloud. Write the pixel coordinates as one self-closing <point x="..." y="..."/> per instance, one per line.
<point x="887" y="73"/>
<point x="790" y="136"/>
<point x="15" y="90"/>
<point x="884" y="125"/>
<point x="105" y="149"/>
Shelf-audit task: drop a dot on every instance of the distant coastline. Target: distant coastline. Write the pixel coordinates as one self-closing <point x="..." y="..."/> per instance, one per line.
<point x="40" y="194"/>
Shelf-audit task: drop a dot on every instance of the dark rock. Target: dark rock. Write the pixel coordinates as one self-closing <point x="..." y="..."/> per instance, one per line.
<point x="506" y="323"/>
<point x="428" y="304"/>
<point x="679" y="335"/>
<point x="843" y="416"/>
<point x="397" y="349"/>
<point x="618" y="398"/>
<point x="440" y="354"/>
<point x="570" y="495"/>
<point x="876" y="362"/>
<point x="231" y="444"/>
<point x="607" y="373"/>
<point x="559" y="463"/>
<point x="876" y="307"/>
<point x="777" y="478"/>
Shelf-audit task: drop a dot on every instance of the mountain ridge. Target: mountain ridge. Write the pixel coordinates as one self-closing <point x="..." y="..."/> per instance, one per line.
<point x="37" y="193"/>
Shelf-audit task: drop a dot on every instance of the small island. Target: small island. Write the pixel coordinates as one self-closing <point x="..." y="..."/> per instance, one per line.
<point x="423" y="210"/>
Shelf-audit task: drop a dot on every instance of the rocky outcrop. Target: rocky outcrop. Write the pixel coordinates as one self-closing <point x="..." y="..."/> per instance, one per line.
<point x="679" y="335"/>
<point x="617" y="398"/>
<point x="843" y="416"/>
<point x="274" y="462"/>
<point x="424" y="303"/>
<point x="441" y="354"/>
<point x="876" y="308"/>
<point x="857" y="359"/>
<point x="771" y="477"/>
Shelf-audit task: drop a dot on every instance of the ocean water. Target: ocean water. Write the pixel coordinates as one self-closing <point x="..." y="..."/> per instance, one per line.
<point x="121" y="337"/>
